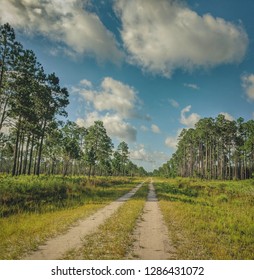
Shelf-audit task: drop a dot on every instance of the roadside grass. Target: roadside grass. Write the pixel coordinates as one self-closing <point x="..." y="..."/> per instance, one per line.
<point x="209" y="219"/>
<point x="25" y="231"/>
<point x="49" y="193"/>
<point x="114" y="238"/>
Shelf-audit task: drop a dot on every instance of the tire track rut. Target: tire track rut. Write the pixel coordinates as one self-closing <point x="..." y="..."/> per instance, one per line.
<point x="151" y="234"/>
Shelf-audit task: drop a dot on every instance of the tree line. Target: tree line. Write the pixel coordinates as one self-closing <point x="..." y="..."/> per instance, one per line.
<point x="215" y="149"/>
<point x="32" y="138"/>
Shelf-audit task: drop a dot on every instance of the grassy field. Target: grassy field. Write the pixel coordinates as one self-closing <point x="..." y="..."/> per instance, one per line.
<point x="30" y="214"/>
<point x="209" y="219"/>
<point x="206" y="219"/>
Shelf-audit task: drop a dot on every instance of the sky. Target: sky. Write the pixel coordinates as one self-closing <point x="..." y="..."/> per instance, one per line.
<point x="146" y="68"/>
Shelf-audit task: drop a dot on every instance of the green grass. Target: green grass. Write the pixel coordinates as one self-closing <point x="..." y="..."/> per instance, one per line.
<point x="209" y="219"/>
<point x="48" y="193"/>
<point x="113" y="239"/>
<point x="26" y="230"/>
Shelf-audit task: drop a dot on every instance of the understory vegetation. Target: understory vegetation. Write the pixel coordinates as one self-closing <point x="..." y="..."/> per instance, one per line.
<point x="209" y="219"/>
<point x="42" y="207"/>
<point x="46" y="193"/>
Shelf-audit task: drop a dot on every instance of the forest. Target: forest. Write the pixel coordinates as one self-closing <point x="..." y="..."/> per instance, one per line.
<point x="215" y="149"/>
<point x="34" y="139"/>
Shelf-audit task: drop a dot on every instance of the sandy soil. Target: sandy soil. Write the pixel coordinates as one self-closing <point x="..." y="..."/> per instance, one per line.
<point x="151" y="234"/>
<point x="56" y="247"/>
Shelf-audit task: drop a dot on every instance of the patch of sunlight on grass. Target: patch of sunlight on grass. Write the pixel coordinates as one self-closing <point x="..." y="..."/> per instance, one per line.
<point x="209" y="219"/>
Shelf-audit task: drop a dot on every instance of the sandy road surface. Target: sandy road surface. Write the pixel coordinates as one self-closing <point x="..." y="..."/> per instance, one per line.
<point x="56" y="247"/>
<point x="151" y="234"/>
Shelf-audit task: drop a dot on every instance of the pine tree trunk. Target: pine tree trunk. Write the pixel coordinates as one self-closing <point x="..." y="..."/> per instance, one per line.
<point x="15" y="157"/>
<point x="31" y="156"/>
<point x="21" y="152"/>
<point x="40" y="149"/>
<point x="26" y="154"/>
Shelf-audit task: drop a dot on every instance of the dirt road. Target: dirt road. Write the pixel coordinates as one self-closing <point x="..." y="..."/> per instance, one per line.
<point x="56" y="247"/>
<point x="151" y="234"/>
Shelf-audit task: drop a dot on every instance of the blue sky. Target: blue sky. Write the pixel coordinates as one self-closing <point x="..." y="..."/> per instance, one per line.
<point x="145" y="68"/>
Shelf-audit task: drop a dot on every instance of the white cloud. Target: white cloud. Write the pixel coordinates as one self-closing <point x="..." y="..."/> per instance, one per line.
<point x="89" y="120"/>
<point x="140" y="153"/>
<point x="191" y="119"/>
<point x="174" y="103"/>
<point x="227" y="116"/>
<point x="164" y="35"/>
<point x="119" y="128"/>
<point x="155" y="129"/>
<point x="171" y="141"/>
<point x="113" y="103"/>
<point x="143" y="128"/>
<point x="115" y="126"/>
<point x="86" y="83"/>
<point x="248" y="85"/>
<point x="81" y="122"/>
<point x="112" y="96"/>
<point x="192" y="86"/>
<point x="68" y="22"/>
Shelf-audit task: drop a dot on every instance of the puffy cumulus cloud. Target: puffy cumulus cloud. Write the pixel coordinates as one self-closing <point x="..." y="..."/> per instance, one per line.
<point x="190" y="120"/>
<point x="172" y="141"/>
<point x="248" y="85"/>
<point x="113" y="103"/>
<point x="89" y="119"/>
<point x="115" y="126"/>
<point x="227" y="116"/>
<point x="161" y="36"/>
<point x="140" y="153"/>
<point x="155" y="129"/>
<point x="86" y="83"/>
<point x="81" y="122"/>
<point x="119" y="128"/>
<point x="112" y="96"/>
<point x="67" y="22"/>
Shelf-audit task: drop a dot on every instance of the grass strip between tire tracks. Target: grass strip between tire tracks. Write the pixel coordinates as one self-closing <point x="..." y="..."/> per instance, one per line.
<point x="113" y="239"/>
